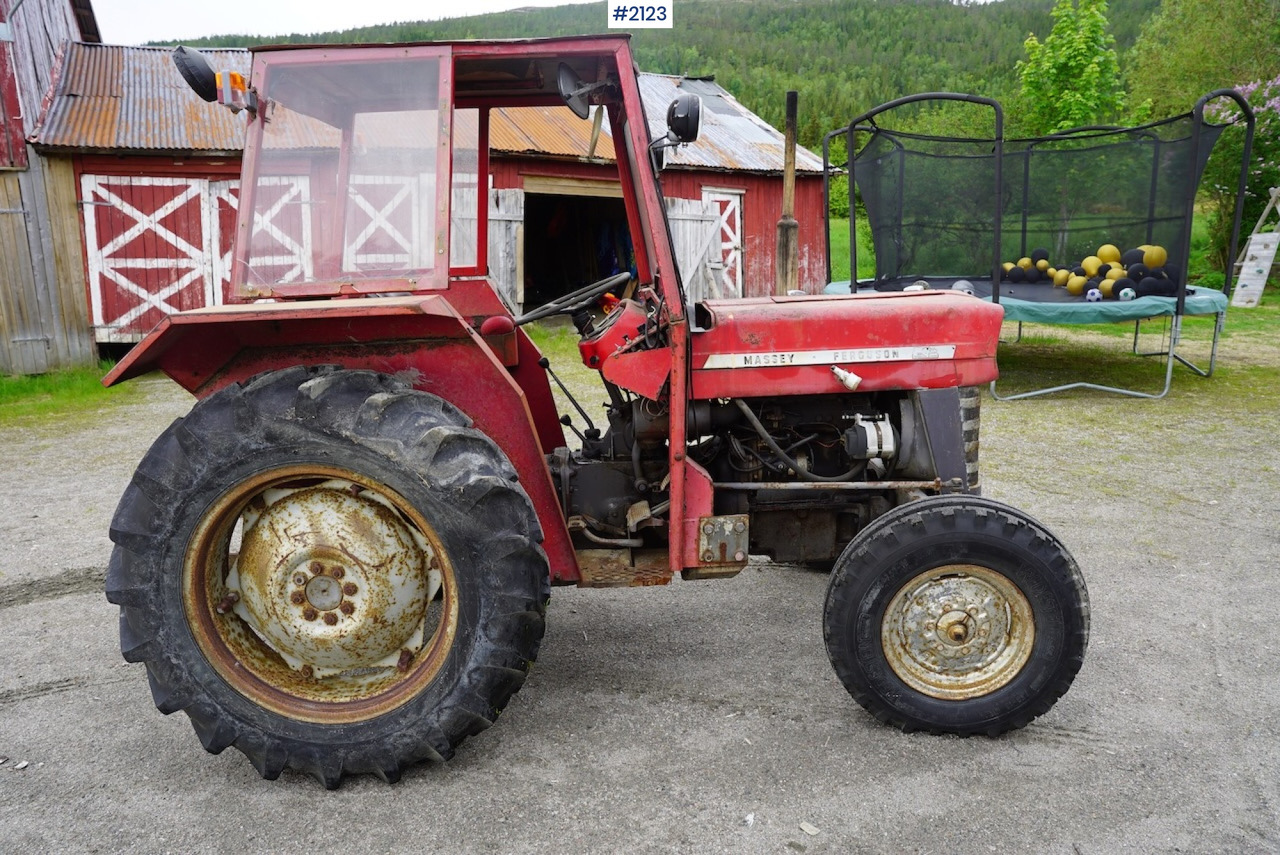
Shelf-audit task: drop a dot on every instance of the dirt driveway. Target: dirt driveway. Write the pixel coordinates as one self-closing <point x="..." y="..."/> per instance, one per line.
<point x="704" y="717"/>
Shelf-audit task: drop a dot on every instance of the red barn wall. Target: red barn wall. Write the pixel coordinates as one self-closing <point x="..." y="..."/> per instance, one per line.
<point x="762" y="206"/>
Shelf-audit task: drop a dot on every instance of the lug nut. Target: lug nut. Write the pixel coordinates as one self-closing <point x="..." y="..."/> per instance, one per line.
<point x="330" y="618"/>
<point x="297" y="598"/>
<point x="309" y="613"/>
<point x="316" y="568"/>
<point x="347" y="607"/>
<point x="228" y="603"/>
<point x="337" y="572"/>
<point x="350" y="589"/>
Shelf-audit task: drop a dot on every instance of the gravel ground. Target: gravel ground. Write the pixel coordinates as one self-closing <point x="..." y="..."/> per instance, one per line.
<point x="704" y="717"/>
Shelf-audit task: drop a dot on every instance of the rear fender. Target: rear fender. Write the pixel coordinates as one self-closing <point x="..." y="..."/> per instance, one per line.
<point x="494" y="379"/>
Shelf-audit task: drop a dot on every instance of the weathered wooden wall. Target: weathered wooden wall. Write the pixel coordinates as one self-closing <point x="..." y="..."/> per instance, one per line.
<point x="43" y="311"/>
<point x="40" y="29"/>
<point x="44" y="320"/>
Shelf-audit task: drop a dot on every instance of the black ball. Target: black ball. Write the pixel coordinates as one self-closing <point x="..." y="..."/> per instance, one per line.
<point x="1132" y="257"/>
<point x="1173" y="272"/>
<point x="1102" y="270"/>
<point x="1034" y="274"/>
<point x="1079" y="271"/>
<point x="1039" y="254"/>
<point x="1017" y="274"/>
<point x="1138" y="272"/>
<point x="1122" y="283"/>
<point x="1153" y="287"/>
<point x="1158" y="273"/>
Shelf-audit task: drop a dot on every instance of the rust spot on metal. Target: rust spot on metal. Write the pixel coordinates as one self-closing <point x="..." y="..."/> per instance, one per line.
<point x="350" y="589"/>
<point x="308" y="672"/>
<point x="228" y="603"/>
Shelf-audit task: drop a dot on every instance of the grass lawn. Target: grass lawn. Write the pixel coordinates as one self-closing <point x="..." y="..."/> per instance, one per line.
<point x="72" y="390"/>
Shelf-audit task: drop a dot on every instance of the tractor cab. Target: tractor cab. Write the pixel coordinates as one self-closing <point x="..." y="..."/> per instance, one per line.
<point x="366" y="168"/>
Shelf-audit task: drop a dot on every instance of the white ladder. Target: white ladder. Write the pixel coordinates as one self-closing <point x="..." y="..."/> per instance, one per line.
<point x="1254" y="264"/>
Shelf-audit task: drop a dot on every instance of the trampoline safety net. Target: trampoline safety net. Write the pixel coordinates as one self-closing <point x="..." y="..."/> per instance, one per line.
<point x="941" y="207"/>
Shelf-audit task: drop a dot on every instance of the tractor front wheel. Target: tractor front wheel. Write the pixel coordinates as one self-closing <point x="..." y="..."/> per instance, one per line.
<point x="329" y="571"/>
<point x="956" y="614"/>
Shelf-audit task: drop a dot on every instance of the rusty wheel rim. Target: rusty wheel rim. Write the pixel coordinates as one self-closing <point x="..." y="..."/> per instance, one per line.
<point x="958" y="632"/>
<point x="319" y="594"/>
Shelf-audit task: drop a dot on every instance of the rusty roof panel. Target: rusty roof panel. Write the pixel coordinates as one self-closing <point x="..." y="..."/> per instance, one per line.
<point x="554" y="131"/>
<point x="111" y="97"/>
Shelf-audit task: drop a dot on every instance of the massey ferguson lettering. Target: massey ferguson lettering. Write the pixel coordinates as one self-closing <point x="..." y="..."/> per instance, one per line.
<point x="844" y="356"/>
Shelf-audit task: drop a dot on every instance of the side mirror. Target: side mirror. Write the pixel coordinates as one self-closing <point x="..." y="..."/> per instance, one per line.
<point x="684" y="118"/>
<point x="195" y="69"/>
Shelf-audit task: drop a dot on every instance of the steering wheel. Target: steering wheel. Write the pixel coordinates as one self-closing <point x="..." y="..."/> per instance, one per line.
<point x="574" y="300"/>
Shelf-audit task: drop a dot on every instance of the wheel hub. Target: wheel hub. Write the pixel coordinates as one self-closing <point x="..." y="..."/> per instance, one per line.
<point x="332" y="579"/>
<point x="958" y="632"/>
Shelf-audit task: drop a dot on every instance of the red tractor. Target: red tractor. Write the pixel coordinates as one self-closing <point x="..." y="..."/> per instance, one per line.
<point x="339" y="562"/>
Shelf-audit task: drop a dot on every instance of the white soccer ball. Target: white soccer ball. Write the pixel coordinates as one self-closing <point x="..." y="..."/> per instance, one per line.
<point x="1093" y="296"/>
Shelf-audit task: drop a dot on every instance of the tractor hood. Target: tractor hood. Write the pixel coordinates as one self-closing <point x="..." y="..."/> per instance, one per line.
<point x="790" y="345"/>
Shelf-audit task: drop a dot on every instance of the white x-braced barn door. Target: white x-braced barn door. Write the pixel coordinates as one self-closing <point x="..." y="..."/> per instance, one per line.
<point x="730" y="238"/>
<point x="148" y="251"/>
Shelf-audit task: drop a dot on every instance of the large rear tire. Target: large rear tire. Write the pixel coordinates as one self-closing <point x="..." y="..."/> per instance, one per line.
<point x="330" y="572"/>
<point x="956" y="614"/>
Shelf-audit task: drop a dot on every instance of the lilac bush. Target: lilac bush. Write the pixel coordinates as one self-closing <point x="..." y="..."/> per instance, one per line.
<point x="1222" y="173"/>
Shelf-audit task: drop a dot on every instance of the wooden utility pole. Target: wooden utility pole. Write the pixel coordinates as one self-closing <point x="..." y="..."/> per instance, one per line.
<point x="788" y="254"/>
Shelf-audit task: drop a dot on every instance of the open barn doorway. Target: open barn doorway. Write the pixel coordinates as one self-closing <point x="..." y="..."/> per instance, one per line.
<point x="571" y="241"/>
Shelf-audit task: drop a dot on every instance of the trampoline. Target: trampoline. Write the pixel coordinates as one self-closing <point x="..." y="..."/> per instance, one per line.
<point x="948" y="210"/>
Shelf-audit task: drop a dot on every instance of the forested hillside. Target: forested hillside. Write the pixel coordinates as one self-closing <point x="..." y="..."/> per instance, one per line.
<point x="843" y="56"/>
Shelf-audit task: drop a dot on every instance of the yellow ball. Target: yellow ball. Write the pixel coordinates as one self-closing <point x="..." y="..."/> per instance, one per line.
<point x="1075" y="285"/>
<point x="1042" y="265"/>
<point x="1091" y="265"/>
<point x="1061" y="276"/>
<point x="1106" y="286"/>
<point x="1115" y="272"/>
<point x="1154" y="256"/>
<point x="1109" y="253"/>
<point x="1007" y="266"/>
<point x="1025" y="263"/>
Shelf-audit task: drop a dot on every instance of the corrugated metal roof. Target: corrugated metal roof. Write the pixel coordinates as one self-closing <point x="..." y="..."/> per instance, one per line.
<point x="112" y="97"/>
<point x="120" y="98"/>
<point x="554" y="131"/>
<point x="732" y="137"/>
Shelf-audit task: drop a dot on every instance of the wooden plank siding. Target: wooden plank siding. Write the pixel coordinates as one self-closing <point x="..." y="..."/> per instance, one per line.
<point x="40" y="30"/>
<point x="43" y="316"/>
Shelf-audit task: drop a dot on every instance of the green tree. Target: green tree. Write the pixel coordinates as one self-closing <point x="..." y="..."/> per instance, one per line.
<point x="1221" y="176"/>
<point x="1190" y="47"/>
<point x="1073" y="77"/>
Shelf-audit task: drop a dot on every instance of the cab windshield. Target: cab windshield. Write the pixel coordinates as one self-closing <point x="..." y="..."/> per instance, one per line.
<point x="348" y="186"/>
